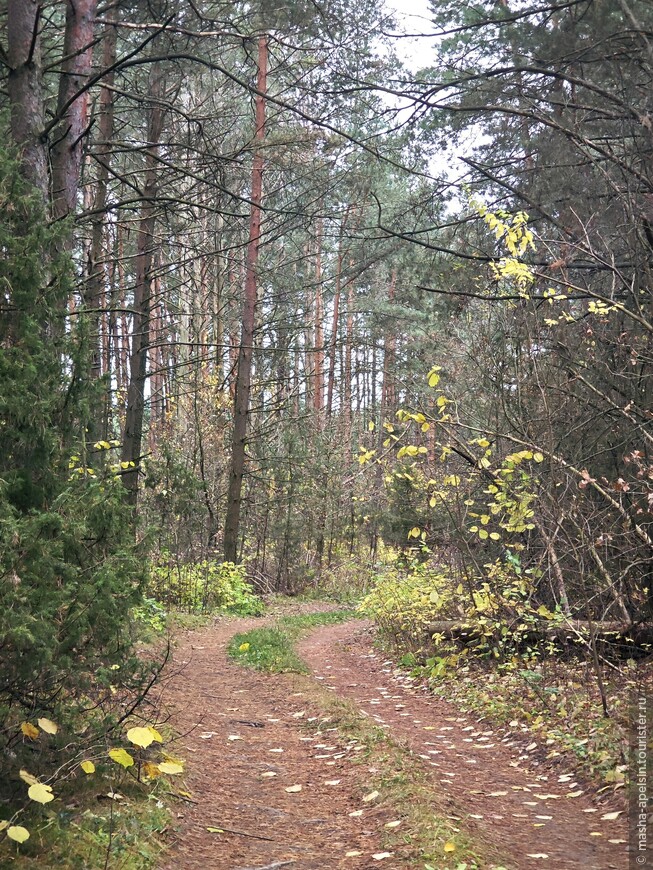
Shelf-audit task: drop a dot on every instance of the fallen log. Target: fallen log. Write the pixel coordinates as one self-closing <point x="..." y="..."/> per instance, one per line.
<point x="569" y="632"/>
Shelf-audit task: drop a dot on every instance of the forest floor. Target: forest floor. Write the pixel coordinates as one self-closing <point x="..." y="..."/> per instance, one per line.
<point x="251" y="740"/>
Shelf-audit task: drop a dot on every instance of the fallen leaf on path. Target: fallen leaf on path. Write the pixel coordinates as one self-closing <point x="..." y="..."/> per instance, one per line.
<point x="293" y="789"/>
<point x="497" y="793"/>
<point x="449" y="847"/>
<point x="575" y="794"/>
<point x="610" y="817"/>
<point x="379" y="856"/>
<point x="595" y="834"/>
<point x="353" y="854"/>
<point x="394" y="824"/>
<point x="332" y="782"/>
<point x="275" y="750"/>
<point x="234" y="737"/>
<point x="212" y="830"/>
<point x="356" y="813"/>
<point x="536" y="855"/>
<point x="371" y="796"/>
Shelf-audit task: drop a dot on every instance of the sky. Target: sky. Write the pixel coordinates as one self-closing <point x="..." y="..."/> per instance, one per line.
<point x="413" y="16"/>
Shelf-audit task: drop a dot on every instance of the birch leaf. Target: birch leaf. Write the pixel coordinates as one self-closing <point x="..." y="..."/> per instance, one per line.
<point x="40" y="793"/>
<point x="30" y="731"/>
<point x="121" y="757"/>
<point x="142" y="737"/>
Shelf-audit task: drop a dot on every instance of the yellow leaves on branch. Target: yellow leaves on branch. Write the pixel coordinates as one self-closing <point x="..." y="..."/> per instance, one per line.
<point x="17" y="833"/>
<point x="171" y="767"/>
<point x="121" y="757"/>
<point x="30" y="731"/>
<point x="87" y="766"/>
<point x="142" y="737"/>
<point x="40" y="793"/>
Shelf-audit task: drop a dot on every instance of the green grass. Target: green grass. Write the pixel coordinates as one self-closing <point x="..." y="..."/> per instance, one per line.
<point x="80" y="832"/>
<point x="272" y="648"/>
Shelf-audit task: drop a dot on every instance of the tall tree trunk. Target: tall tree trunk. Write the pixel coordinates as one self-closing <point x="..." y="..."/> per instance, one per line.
<point x="72" y="106"/>
<point x="244" y="373"/>
<point x="318" y="396"/>
<point x="388" y="398"/>
<point x="25" y="90"/>
<point x="133" y="434"/>
<point x="96" y="271"/>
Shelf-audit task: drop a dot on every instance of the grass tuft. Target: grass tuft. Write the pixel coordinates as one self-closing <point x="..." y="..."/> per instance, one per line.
<point x="272" y="648"/>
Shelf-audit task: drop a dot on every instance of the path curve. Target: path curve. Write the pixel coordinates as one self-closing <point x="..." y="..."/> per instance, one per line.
<point x="238" y="727"/>
<point x="515" y="800"/>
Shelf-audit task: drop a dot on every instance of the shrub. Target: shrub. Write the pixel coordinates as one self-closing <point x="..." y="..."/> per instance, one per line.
<point x="204" y="586"/>
<point x="403" y="603"/>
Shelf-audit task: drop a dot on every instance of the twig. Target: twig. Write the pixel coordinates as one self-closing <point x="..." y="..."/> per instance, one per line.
<point x="274" y="866"/>
<point x="222" y="829"/>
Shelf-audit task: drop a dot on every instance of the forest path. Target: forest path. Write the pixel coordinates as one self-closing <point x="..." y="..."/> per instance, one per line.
<point x="245" y="742"/>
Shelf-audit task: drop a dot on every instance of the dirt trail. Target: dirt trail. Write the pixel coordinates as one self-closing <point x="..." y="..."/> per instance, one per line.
<point x="240" y="726"/>
<point x="515" y="799"/>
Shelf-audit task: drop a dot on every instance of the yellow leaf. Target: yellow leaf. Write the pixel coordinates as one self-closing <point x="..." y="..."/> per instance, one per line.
<point x="151" y="770"/>
<point x="243" y="647"/>
<point x="370" y="426"/>
<point x="434" y="379"/>
<point x="29" y="730"/>
<point x="425" y="427"/>
<point x="155" y="734"/>
<point x="142" y="737"/>
<point x="18" y="833"/>
<point x="213" y="830"/>
<point x="171" y="767"/>
<point x="449" y="847"/>
<point x="538" y="457"/>
<point x="87" y="766"/>
<point x="40" y="793"/>
<point x="48" y="726"/>
<point x="27" y="777"/>
<point x="122" y="757"/>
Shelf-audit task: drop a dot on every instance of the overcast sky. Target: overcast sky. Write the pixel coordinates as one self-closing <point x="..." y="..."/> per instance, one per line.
<point x="413" y="16"/>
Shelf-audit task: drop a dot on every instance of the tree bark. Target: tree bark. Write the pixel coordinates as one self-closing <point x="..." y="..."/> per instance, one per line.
<point x="244" y="372"/>
<point x="72" y="106"/>
<point x="25" y="90"/>
<point x="133" y="434"/>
